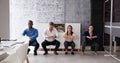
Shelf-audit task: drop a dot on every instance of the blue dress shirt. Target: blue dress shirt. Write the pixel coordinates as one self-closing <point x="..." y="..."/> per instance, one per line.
<point x="33" y="33"/>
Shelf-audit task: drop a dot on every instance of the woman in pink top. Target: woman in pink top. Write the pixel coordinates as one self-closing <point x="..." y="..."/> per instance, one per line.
<point x="69" y="36"/>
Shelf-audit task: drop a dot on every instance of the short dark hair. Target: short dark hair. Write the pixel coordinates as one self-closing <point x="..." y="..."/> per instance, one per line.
<point x="91" y="25"/>
<point x="51" y="23"/>
<point x="31" y="21"/>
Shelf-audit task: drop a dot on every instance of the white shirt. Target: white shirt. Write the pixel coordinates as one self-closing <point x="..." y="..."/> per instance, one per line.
<point x="48" y="33"/>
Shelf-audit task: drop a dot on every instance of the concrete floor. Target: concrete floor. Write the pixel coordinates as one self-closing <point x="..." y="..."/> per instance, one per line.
<point x="117" y="54"/>
<point x="77" y="58"/>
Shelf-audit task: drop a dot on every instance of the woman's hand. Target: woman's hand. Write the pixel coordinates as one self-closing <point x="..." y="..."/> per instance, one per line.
<point x="89" y="37"/>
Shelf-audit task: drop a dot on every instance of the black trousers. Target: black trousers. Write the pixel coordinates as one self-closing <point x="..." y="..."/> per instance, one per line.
<point x="72" y="44"/>
<point x="35" y="44"/>
<point x="47" y="43"/>
<point x="94" y="46"/>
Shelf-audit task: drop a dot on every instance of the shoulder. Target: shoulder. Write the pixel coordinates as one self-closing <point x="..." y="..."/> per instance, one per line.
<point x="65" y="33"/>
<point x="95" y="32"/>
<point x="35" y="29"/>
<point x="85" y="33"/>
<point x="26" y="29"/>
<point x="73" y="34"/>
<point x="46" y="29"/>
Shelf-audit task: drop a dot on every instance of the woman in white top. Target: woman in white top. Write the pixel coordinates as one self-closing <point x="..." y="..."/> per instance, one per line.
<point x="69" y="36"/>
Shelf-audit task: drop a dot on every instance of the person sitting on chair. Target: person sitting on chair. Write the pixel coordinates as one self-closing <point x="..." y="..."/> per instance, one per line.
<point x="91" y="38"/>
<point x="50" y="38"/>
<point x="32" y="33"/>
<point x="69" y="36"/>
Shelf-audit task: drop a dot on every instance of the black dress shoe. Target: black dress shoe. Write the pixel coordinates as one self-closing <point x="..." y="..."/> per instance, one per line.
<point x="28" y="51"/>
<point x="55" y="53"/>
<point x="72" y="53"/>
<point x="45" y="53"/>
<point x="66" y="53"/>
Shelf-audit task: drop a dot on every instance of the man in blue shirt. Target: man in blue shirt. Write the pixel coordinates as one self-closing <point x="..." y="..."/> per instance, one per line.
<point x="91" y="38"/>
<point x="32" y="33"/>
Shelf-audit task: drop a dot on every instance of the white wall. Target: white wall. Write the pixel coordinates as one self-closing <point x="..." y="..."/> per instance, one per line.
<point x="4" y="18"/>
<point x="42" y="11"/>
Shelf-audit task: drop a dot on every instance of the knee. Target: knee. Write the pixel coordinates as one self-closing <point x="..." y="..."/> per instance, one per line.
<point x="96" y="45"/>
<point x="58" y="43"/>
<point x="84" y="44"/>
<point x="65" y="44"/>
<point x="73" y="45"/>
<point x="38" y="45"/>
<point x="43" y="43"/>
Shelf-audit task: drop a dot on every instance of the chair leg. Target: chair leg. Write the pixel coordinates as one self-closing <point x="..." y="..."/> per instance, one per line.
<point x="27" y="60"/>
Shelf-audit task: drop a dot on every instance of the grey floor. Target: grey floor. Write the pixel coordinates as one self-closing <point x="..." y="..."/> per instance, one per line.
<point x="77" y="58"/>
<point x="117" y="54"/>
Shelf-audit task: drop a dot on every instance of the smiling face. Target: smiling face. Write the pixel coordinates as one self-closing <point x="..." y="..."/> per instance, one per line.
<point x="69" y="28"/>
